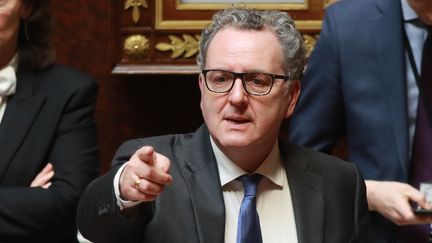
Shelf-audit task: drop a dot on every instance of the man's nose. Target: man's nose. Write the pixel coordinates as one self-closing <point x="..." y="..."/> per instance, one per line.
<point x="238" y="93"/>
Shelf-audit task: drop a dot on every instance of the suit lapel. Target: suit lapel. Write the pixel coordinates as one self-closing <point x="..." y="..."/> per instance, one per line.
<point x="21" y="110"/>
<point x="307" y="196"/>
<point x="387" y="36"/>
<point x="202" y="177"/>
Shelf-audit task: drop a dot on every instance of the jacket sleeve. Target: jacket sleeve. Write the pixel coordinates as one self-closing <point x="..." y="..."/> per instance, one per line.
<point x="99" y="218"/>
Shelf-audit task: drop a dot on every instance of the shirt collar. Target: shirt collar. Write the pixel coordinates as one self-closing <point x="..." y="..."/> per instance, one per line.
<point x="271" y="168"/>
<point x="14" y="62"/>
<point x="407" y="12"/>
<point x="8" y="82"/>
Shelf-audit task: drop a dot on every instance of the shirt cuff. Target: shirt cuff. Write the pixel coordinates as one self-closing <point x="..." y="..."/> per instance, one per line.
<point x="122" y="204"/>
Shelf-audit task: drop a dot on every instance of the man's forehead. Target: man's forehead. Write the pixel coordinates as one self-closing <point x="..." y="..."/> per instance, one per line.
<point x="232" y="47"/>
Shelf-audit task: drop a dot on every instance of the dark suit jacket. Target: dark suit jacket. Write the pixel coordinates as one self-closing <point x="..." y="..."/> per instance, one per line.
<point x="354" y="84"/>
<point x="49" y="119"/>
<point x="328" y="197"/>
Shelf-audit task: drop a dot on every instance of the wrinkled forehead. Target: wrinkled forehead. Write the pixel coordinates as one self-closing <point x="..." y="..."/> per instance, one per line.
<point x="245" y="50"/>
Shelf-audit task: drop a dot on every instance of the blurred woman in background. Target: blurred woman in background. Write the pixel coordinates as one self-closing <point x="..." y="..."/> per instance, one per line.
<point x="48" y="151"/>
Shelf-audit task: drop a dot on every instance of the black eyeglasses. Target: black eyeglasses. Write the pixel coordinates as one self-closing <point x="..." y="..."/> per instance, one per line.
<point x="222" y="81"/>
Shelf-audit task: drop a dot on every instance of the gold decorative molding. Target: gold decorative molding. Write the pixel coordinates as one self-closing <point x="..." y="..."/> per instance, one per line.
<point x="136" y="46"/>
<point x="135" y="5"/>
<point x="309" y="41"/>
<point x="162" y="24"/>
<point x="155" y="69"/>
<point x="187" y="47"/>
<point x="263" y="5"/>
<point x="328" y="2"/>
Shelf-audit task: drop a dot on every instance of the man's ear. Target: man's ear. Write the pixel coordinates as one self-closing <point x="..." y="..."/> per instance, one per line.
<point x="201" y="86"/>
<point x="201" y="82"/>
<point x="294" y="94"/>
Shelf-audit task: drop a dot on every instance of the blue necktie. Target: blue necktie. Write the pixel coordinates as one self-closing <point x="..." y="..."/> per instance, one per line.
<point x="248" y="229"/>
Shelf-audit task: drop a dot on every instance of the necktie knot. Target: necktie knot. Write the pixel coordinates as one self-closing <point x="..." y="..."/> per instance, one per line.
<point x="250" y="183"/>
<point x="7" y="81"/>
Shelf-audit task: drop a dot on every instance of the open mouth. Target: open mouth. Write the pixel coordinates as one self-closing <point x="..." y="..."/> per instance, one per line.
<point x="237" y="121"/>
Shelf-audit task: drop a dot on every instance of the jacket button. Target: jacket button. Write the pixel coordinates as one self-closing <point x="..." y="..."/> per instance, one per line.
<point x="103" y="210"/>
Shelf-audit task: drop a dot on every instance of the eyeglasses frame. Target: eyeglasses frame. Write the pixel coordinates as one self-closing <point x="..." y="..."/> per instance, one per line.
<point x="241" y="77"/>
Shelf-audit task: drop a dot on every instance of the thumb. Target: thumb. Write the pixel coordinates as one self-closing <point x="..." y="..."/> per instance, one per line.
<point x="161" y="162"/>
<point x="419" y="198"/>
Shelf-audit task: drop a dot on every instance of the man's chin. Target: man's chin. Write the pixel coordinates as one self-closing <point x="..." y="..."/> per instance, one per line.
<point x="234" y="141"/>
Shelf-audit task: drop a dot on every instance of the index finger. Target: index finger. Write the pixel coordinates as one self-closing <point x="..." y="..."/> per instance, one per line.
<point x="146" y="154"/>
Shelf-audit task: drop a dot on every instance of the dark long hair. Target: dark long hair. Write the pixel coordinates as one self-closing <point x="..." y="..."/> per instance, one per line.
<point x="35" y="49"/>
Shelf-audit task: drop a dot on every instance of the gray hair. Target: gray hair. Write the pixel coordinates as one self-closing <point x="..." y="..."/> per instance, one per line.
<point x="290" y="40"/>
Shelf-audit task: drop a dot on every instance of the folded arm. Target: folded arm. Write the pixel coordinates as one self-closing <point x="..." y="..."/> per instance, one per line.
<point x="48" y="202"/>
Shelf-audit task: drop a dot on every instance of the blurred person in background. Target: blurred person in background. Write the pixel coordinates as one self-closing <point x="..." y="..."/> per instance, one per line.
<point x="369" y="79"/>
<point x="48" y="151"/>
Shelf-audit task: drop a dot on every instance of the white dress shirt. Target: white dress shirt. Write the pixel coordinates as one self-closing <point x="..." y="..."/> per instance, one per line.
<point x="274" y="204"/>
<point x="3" y="99"/>
<point x="416" y="36"/>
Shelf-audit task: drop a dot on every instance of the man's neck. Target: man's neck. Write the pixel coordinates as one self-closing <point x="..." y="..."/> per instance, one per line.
<point x="248" y="158"/>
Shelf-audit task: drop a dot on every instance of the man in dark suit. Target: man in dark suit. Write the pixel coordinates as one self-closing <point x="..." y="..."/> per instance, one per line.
<point x="48" y="150"/>
<point x="189" y="187"/>
<point x="360" y="83"/>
